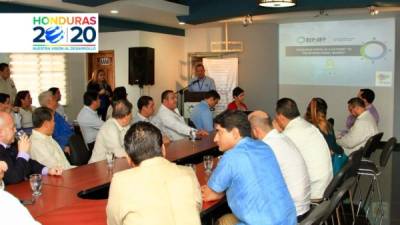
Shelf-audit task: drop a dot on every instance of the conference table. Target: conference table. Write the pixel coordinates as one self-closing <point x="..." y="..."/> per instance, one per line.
<point x="64" y="198"/>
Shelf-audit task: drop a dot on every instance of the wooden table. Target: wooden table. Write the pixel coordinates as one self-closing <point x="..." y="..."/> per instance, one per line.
<point x="59" y="204"/>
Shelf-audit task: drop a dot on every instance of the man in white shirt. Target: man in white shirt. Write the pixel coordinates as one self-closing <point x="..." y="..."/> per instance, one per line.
<point x="170" y="121"/>
<point x="44" y="148"/>
<point x="88" y="119"/>
<point x="111" y="135"/>
<point x="145" y="105"/>
<point x="11" y="210"/>
<point x="293" y="167"/>
<point x="311" y="144"/>
<point x="363" y="128"/>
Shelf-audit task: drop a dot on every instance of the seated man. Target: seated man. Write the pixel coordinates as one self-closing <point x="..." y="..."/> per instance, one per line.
<point x="154" y="190"/>
<point x="368" y="96"/>
<point x="201" y="116"/>
<point x="145" y="105"/>
<point x="11" y="210"/>
<point x="111" y="135"/>
<point x="293" y="167"/>
<point x="20" y="166"/>
<point x="311" y="144"/>
<point x="88" y="119"/>
<point x="62" y="130"/>
<point x="44" y="148"/>
<point x="363" y="128"/>
<point x="249" y="174"/>
<point x="170" y="121"/>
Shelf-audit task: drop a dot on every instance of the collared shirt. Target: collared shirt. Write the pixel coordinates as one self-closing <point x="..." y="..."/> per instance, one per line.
<point x="62" y="130"/>
<point x="202" y="116"/>
<point x="364" y="127"/>
<point x="8" y="87"/>
<point x="205" y="84"/>
<point x="255" y="189"/>
<point x="109" y="139"/>
<point x="315" y="151"/>
<point x="352" y="119"/>
<point x="45" y="150"/>
<point x="172" y="123"/>
<point x="293" y="168"/>
<point x="61" y="111"/>
<point x="26" y="117"/>
<point x="139" y="117"/>
<point x="90" y="123"/>
<point x="13" y="212"/>
<point x="155" y="192"/>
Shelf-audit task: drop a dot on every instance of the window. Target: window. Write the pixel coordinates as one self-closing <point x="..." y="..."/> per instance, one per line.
<point x="39" y="72"/>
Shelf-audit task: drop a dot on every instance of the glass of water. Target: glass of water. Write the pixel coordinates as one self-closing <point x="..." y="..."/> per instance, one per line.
<point x="19" y="134"/>
<point x="110" y="159"/>
<point x="36" y="184"/>
<point x="208" y="163"/>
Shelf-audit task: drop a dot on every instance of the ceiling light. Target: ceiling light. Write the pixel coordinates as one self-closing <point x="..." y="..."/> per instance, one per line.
<point x="373" y="11"/>
<point x="277" y="3"/>
<point x="181" y="23"/>
<point x="114" y="11"/>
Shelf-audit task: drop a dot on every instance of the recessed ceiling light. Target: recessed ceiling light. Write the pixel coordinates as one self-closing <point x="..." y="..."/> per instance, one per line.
<point x="114" y="11"/>
<point x="181" y="23"/>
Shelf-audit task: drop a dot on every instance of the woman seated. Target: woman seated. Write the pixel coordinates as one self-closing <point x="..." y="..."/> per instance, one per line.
<point x="23" y="101"/>
<point x="238" y="97"/>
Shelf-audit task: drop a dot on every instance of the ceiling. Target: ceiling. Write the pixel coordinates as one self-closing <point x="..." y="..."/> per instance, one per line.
<point x="163" y="15"/>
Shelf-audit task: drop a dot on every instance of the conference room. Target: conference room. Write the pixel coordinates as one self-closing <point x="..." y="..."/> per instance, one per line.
<point x="271" y="49"/>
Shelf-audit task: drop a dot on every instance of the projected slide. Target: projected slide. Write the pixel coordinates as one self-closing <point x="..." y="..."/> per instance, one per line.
<point x="337" y="53"/>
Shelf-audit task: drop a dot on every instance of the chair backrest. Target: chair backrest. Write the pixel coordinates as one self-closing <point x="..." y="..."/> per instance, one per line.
<point x="80" y="154"/>
<point x="387" y="151"/>
<point x="356" y="157"/>
<point x="338" y="179"/>
<point x="372" y="144"/>
<point x="316" y="215"/>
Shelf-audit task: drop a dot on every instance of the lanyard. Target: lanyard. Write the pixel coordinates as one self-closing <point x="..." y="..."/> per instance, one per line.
<point x="198" y="84"/>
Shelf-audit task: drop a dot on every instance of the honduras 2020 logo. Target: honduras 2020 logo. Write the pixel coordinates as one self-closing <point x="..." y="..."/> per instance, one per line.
<point x="54" y="34"/>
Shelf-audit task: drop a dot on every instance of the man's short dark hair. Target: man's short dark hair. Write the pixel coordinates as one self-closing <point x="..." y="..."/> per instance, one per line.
<point x="4" y="97"/>
<point x="3" y="66"/>
<point x="198" y="65"/>
<point x="237" y="91"/>
<point x="230" y="119"/>
<point x="212" y="94"/>
<point x="89" y="97"/>
<point x="121" y="108"/>
<point x="119" y="93"/>
<point x="40" y="115"/>
<point x="143" y="101"/>
<point x="368" y="95"/>
<point x="353" y="102"/>
<point x="287" y="107"/>
<point x="143" y="141"/>
<point x="165" y="94"/>
<point x="54" y="90"/>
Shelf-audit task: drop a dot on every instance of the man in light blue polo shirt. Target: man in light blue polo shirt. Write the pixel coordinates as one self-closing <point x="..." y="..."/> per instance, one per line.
<point x="249" y="174"/>
<point x="201" y="82"/>
<point x="202" y="116"/>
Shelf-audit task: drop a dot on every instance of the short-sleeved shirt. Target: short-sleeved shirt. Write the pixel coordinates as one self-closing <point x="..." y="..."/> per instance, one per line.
<point x="254" y="185"/>
<point x="202" y="117"/>
<point x="205" y="84"/>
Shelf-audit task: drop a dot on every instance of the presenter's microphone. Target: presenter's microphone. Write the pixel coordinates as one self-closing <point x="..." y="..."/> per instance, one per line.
<point x="194" y="82"/>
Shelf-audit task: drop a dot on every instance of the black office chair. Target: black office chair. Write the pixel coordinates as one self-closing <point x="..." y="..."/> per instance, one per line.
<point x="80" y="154"/>
<point x="372" y="144"/>
<point x="317" y="214"/>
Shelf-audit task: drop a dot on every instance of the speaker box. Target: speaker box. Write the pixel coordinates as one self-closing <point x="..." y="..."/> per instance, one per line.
<point x="141" y="66"/>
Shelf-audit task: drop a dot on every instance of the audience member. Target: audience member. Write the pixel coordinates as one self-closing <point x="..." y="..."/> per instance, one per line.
<point x="363" y="128"/>
<point x="5" y="106"/>
<point x="291" y="163"/>
<point x="23" y="101"/>
<point x="145" y="105"/>
<point x="249" y="174"/>
<point x="170" y="121"/>
<point x="62" y="130"/>
<point x="238" y="98"/>
<point x="111" y="135"/>
<point x="55" y="91"/>
<point x="98" y="83"/>
<point x="310" y="142"/>
<point x="19" y="164"/>
<point x="368" y="96"/>
<point x="88" y="119"/>
<point x="201" y="82"/>
<point x="201" y="116"/>
<point x="118" y="94"/>
<point x="7" y="85"/>
<point x="44" y="148"/>
<point x="155" y="190"/>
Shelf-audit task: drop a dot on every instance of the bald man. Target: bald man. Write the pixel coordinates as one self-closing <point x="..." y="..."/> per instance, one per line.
<point x="290" y="161"/>
<point x="20" y="166"/>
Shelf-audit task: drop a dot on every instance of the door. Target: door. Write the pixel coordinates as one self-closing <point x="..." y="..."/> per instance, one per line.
<point x="102" y="60"/>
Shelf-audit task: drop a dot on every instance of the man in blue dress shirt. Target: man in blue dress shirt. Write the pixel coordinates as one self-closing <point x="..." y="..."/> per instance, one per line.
<point x="201" y="83"/>
<point x="249" y="174"/>
<point x="201" y="116"/>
